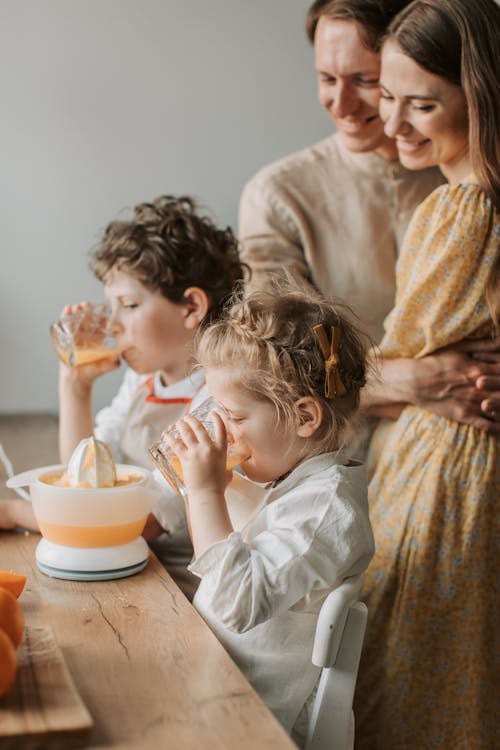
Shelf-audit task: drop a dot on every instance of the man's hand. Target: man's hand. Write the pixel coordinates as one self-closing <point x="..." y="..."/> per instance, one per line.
<point x="460" y="382"/>
<point x="486" y="352"/>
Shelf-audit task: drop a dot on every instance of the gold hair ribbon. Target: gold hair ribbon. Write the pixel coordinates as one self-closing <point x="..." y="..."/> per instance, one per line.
<point x="333" y="382"/>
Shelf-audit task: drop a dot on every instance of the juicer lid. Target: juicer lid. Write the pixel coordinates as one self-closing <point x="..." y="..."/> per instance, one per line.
<point x="31" y="475"/>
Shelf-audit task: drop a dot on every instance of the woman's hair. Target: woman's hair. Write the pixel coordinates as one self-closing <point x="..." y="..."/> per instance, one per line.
<point x="168" y="246"/>
<point x="372" y="17"/>
<point x="267" y="340"/>
<point x="459" y="40"/>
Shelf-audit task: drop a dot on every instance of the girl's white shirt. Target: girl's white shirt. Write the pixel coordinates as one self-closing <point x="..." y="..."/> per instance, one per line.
<point x="261" y="588"/>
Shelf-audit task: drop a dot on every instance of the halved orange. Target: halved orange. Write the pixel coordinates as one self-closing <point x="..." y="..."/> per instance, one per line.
<point x="11" y="617"/>
<point x="8" y="663"/>
<point x="13" y="582"/>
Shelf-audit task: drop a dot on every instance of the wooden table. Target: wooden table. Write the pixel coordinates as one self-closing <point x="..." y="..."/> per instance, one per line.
<point x="150" y="672"/>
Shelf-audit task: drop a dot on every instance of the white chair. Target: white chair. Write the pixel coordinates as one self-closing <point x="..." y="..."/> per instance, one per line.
<point x="337" y="649"/>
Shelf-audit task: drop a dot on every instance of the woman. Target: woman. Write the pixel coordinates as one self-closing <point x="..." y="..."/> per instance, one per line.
<point x="427" y="673"/>
<point x="335" y="214"/>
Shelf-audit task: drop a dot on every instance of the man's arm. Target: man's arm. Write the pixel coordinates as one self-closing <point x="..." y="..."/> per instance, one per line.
<point x="270" y="235"/>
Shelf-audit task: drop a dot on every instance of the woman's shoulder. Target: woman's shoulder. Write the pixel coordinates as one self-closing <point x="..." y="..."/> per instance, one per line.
<point x="464" y="204"/>
<point x="455" y="198"/>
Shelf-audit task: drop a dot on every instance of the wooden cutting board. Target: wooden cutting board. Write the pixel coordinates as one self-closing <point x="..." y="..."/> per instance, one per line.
<point x="43" y="709"/>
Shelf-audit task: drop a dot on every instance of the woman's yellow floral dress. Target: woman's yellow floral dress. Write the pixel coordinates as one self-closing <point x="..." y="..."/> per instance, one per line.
<point x="429" y="675"/>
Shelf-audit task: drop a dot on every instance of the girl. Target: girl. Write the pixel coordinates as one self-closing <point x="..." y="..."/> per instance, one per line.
<point x="285" y="370"/>
<point x="167" y="271"/>
<point x="428" y="676"/>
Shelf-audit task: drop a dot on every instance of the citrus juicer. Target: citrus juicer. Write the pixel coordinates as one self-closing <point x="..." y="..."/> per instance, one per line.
<point x="91" y="465"/>
<point x="90" y="532"/>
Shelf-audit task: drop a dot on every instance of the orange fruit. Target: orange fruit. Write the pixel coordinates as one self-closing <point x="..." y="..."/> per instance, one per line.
<point x="8" y="663"/>
<point x="13" y="582"/>
<point x="11" y="617"/>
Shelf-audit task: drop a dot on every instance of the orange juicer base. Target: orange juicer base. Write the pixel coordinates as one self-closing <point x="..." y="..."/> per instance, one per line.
<point x="91" y="564"/>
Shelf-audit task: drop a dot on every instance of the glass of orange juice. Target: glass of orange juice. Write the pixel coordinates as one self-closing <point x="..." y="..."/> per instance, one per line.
<point x="169" y="463"/>
<point x="81" y="337"/>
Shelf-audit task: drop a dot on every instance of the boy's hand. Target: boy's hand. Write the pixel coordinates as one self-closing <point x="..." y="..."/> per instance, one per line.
<point x="17" y="513"/>
<point x="81" y="378"/>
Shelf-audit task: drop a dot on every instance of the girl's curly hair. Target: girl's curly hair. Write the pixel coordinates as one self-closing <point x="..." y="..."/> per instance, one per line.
<point x="267" y="340"/>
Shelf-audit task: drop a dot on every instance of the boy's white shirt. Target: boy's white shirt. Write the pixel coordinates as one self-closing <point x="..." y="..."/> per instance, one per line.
<point x="109" y="421"/>
<point x="261" y="588"/>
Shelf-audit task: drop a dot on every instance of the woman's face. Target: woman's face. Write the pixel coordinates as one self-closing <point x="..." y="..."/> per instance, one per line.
<point x="425" y="114"/>
<point x="348" y="86"/>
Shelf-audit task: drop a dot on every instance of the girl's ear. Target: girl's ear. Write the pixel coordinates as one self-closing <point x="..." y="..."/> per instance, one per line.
<point x="310" y="415"/>
<point x="196" y="304"/>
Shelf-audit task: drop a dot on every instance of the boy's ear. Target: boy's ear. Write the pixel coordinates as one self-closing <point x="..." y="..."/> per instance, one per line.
<point x="196" y="304"/>
<point x="310" y="415"/>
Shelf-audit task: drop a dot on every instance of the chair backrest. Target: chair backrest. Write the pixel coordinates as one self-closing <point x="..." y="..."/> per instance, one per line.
<point x="337" y="649"/>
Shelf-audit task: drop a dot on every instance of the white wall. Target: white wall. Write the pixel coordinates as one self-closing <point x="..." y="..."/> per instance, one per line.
<point x="106" y="103"/>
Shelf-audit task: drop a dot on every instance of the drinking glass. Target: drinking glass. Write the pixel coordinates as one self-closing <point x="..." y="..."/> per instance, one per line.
<point x="81" y="337"/>
<point x="169" y="463"/>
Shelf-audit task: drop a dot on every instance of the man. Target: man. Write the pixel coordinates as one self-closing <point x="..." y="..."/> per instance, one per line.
<point x="334" y="215"/>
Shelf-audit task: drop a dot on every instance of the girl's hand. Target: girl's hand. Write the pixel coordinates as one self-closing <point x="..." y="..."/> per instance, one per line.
<point x="206" y="477"/>
<point x="203" y="458"/>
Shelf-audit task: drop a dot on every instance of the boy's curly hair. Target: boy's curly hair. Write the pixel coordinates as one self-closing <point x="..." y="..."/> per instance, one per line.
<point x="267" y="340"/>
<point x="168" y="246"/>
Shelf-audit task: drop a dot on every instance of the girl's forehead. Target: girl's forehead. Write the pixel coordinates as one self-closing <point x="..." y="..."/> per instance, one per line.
<point x="221" y="377"/>
<point x="226" y="387"/>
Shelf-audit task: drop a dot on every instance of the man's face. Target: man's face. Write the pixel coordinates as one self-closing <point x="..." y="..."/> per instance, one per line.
<point x="348" y="85"/>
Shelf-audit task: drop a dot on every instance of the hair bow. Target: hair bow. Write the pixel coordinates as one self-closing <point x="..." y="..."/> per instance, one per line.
<point x="333" y="382"/>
